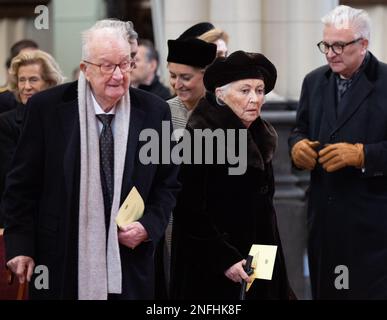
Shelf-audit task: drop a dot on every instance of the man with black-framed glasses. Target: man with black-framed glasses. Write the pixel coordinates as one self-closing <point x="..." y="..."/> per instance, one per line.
<point x="78" y="158"/>
<point x="341" y="137"/>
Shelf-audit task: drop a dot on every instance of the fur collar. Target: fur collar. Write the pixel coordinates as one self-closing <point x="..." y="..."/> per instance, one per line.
<point x="261" y="136"/>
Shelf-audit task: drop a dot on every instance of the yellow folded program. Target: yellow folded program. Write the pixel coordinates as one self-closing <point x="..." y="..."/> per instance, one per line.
<point x="263" y="262"/>
<point x="131" y="210"/>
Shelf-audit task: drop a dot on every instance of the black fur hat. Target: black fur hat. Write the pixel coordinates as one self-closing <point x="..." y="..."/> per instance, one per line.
<point x="192" y="52"/>
<point x="237" y="66"/>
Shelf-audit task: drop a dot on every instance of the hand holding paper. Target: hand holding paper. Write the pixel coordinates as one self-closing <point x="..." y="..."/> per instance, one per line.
<point x="131" y="210"/>
<point x="131" y="232"/>
<point x="132" y="235"/>
<point x="263" y="262"/>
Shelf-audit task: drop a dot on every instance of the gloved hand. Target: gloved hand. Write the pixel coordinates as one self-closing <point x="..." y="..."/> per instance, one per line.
<point x="340" y="155"/>
<point x="303" y="154"/>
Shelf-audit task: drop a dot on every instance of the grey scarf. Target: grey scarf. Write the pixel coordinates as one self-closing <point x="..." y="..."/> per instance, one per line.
<point x="99" y="265"/>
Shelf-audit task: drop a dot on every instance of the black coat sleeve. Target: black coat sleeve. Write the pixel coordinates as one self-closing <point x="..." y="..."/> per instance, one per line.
<point x="9" y="134"/>
<point x="375" y="163"/>
<point x="162" y="195"/>
<point x="23" y="188"/>
<point x="301" y="129"/>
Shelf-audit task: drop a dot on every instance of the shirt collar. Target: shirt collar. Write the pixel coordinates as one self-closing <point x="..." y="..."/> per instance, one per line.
<point x="362" y="66"/>
<point x="99" y="110"/>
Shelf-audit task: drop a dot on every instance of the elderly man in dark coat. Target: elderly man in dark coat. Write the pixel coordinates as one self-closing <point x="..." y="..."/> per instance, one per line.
<point x="341" y="137"/>
<point x="77" y="160"/>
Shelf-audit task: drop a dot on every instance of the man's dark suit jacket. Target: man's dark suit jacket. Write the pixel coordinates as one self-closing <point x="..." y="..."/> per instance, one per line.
<point x="41" y="201"/>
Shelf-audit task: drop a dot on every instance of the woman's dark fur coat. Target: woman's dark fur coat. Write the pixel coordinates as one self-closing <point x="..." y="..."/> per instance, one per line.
<point x="219" y="216"/>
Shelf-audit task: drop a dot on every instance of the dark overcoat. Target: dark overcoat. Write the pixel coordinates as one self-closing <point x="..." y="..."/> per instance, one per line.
<point x="41" y="200"/>
<point x="10" y="127"/>
<point x="7" y="101"/>
<point x="219" y="216"/>
<point x="347" y="212"/>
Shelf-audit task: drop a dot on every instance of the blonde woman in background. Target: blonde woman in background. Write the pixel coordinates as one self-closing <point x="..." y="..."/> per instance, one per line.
<point x="207" y="32"/>
<point x="218" y="37"/>
<point x="30" y="72"/>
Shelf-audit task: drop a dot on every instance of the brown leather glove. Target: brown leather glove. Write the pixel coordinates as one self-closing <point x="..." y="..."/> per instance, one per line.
<point x="340" y="155"/>
<point x="303" y="154"/>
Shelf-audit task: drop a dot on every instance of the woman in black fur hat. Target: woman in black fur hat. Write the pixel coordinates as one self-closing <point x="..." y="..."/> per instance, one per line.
<point x="220" y="215"/>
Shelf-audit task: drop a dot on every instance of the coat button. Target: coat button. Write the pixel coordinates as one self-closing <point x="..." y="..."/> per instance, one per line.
<point x="264" y="189"/>
<point x="333" y="137"/>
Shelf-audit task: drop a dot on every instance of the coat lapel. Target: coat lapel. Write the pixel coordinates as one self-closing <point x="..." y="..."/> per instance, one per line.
<point x="358" y="93"/>
<point x="20" y="114"/>
<point x="137" y="117"/>
<point x="329" y="101"/>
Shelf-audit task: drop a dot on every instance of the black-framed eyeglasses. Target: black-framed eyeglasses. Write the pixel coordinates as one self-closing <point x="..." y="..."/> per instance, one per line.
<point x="337" y="47"/>
<point x="109" y="68"/>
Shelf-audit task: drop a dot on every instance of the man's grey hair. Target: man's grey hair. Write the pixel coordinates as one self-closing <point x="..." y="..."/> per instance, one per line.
<point x="117" y="28"/>
<point x="345" y="17"/>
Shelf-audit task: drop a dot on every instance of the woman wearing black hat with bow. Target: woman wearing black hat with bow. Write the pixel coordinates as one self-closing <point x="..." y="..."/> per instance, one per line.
<point x="206" y="31"/>
<point x="187" y="60"/>
<point x="219" y="216"/>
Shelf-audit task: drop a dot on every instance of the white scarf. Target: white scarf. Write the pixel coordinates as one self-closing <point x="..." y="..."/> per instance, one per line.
<point x="99" y="267"/>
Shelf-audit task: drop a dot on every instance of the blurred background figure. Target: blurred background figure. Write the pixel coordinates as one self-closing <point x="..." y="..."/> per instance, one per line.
<point x="207" y="32"/>
<point x="144" y="76"/>
<point x="30" y="72"/>
<point x="75" y="73"/>
<point x="133" y="39"/>
<point x="7" y="99"/>
<point x="218" y="37"/>
<point x="197" y="30"/>
<point x="20" y="46"/>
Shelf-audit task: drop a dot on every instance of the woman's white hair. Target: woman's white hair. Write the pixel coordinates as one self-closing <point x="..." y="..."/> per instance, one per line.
<point x="345" y="17"/>
<point x="115" y="28"/>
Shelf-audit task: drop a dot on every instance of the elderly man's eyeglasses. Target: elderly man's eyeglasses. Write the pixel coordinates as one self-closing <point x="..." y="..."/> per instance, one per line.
<point x="337" y="47"/>
<point x="109" y="68"/>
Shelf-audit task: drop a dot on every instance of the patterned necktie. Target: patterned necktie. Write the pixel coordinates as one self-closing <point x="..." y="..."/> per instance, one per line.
<point x="106" y="149"/>
<point x="342" y="86"/>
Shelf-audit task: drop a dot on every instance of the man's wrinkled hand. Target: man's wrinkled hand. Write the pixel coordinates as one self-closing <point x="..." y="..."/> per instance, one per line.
<point x="22" y="267"/>
<point x="339" y="155"/>
<point x="304" y="155"/>
<point x="132" y="235"/>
